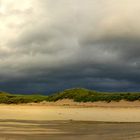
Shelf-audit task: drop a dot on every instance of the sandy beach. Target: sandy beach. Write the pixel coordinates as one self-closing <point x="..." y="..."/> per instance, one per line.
<point x="70" y="130"/>
<point x="72" y="121"/>
<point x="98" y="112"/>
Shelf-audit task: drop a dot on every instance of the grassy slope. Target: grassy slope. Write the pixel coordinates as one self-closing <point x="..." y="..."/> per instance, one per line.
<point x="17" y="99"/>
<point x="84" y="95"/>
<point x="78" y="95"/>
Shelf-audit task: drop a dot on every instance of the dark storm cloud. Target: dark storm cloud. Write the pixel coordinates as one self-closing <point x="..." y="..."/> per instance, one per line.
<point x="50" y="45"/>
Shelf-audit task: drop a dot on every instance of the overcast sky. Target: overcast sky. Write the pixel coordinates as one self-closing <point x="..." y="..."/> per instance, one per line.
<point x="51" y="45"/>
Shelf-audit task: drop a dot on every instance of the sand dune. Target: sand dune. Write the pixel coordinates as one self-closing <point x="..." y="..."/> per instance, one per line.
<point x="71" y="103"/>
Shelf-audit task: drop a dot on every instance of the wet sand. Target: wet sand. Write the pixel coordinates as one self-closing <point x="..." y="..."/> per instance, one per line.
<point x="68" y="130"/>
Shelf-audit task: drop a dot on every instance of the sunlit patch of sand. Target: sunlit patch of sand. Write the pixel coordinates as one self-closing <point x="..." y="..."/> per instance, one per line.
<point x="45" y="112"/>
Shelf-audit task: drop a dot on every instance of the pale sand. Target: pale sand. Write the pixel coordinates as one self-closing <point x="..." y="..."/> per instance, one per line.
<point x="71" y="103"/>
<point x="103" y="112"/>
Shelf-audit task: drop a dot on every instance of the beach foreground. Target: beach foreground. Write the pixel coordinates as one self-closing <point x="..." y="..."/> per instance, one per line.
<point x="72" y="122"/>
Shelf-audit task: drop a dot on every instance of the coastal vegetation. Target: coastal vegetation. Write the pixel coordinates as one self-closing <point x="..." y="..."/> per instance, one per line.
<point x="78" y="95"/>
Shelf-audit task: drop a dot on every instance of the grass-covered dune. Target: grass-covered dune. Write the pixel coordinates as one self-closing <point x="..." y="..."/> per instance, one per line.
<point x="8" y="98"/>
<point x="78" y="95"/>
<point x="85" y="95"/>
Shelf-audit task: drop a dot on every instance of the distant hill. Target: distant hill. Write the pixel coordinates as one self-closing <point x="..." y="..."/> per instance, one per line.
<point x="76" y="94"/>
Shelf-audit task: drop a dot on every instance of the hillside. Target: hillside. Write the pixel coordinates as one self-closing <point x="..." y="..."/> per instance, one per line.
<point x="78" y="95"/>
<point x="85" y="95"/>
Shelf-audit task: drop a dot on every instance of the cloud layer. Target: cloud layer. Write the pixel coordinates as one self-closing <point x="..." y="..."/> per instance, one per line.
<point x="49" y="45"/>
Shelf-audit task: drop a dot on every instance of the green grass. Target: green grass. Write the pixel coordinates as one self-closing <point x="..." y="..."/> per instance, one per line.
<point x="78" y="95"/>
<point x="84" y="95"/>
<point x="19" y="99"/>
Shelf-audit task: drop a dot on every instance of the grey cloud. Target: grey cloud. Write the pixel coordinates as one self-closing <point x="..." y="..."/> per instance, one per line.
<point x="53" y="45"/>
